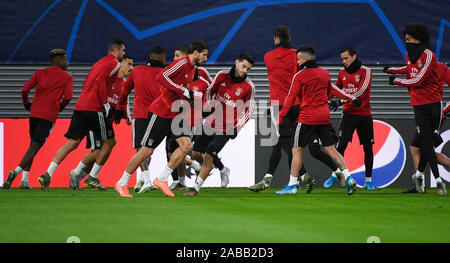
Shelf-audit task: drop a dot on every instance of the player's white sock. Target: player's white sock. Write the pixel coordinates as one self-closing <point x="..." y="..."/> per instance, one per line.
<point x="292" y="180"/>
<point x="368" y="179"/>
<point x="124" y="180"/>
<point x="346" y="173"/>
<point x="165" y="174"/>
<point x="18" y="170"/>
<point x="51" y="169"/>
<point x="419" y="174"/>
<point x="182" y="179"/>
<point x="439" y="180"/>
<point x="79" y="168"/>
<point x="145" y="176"/>
<point x="95" y="170"/>
<point x="198" y="184"/>
<point x="196" y="166"/>
<point x="268" y="176"/>
<point x="334" y="173"/>
<point x="303" y="177"/>
<point x="25" y="176"/>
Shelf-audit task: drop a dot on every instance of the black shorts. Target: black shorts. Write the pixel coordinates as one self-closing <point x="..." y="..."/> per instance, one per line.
<point x="40" y="129"/>
<point x="93" y="143"/>
<point x="362" y="124"/>
<point x="428" y="121"/>
<point x="171" y="143"/>
<point x="287" y="129"/>
<point x="84" y="121"/>
<point x="210" y="144"/>
<point x="139" y="128"/>
<point x="171" y="140"/>
<point x="304" y="133"/>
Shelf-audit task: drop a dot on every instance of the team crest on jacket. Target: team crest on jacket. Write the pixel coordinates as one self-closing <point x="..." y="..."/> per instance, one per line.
<point x="419" y="63"/>
<point x="238" y="91"/>
<point x="357" y="78"/>
<point x="195" y="88"/>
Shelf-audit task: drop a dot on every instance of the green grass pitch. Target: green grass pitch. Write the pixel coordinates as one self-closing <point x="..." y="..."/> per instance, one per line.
<point x="224" y="216"/>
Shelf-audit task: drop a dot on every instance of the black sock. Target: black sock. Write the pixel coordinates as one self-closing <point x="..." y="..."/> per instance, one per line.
<point x="275" y="157"/>
<point x="175" y="174"/>
<point x="218" y="163"/>
<point x="317" y="153"/>
<point x="422" y="163"/>
<point x="368" y="158"/>
<point x="428" y="149"/>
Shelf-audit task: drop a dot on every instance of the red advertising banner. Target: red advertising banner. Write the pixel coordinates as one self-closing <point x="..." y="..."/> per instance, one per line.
<point x="16" y="140"/>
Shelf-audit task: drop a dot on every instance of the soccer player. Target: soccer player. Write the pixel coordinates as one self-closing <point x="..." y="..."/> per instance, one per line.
<point x="423" y="85"/>
<point x="281" y="66"/>
<point x="91" y="113"/>
<point x="54" y="89"/>
<point x="419" y="160"/>
<point x="355" y="79"/>
<point x="86" y="164"/>
<point x="146" y="90"/>
<point x="313" y="87"/>
<point x="178" y="175"/>
<point x="175" y="81"/>
<point x="234" y="93"/>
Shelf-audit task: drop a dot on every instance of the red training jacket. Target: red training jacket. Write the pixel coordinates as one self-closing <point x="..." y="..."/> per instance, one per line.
<point x="421" y="79"/>
<point x="357" y="84"/>
<point x="313" y="87"/>
<point x="281" y="66"/>
<point x="235" y="99"/>
<point x="54" y="88"/>
<point x="175" y="81"/>
<point x="146" y="89"/>
<point x="98" y="85"/>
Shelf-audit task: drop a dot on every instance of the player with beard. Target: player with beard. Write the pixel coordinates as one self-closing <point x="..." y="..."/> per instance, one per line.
<point x="175" y="81"/>
<point x="230" y="88"/>
<point x="422" y="82"/>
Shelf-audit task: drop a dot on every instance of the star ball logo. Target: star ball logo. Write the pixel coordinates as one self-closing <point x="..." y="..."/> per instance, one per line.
<point x="389" y="156"/>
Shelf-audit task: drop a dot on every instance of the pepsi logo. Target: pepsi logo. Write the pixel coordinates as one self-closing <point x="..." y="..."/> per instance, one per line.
<point x="389" y="156"/>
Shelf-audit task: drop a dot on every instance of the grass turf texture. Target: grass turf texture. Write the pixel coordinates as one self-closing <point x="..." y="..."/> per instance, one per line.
<point x="224" y="216"/>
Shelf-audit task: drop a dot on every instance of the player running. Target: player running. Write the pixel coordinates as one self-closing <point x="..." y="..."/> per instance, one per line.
<point x="94" y="144"/>
<point x="313" y="87"/>
<point x="146" y="90"/>
<point x="54" y="89"/>
<point x="418" y="159"/>
<point x="91" y="112"/>
<point x="423" y="84"/>
<point x="355" y="79"/>
<point x="175" y="81"/>
<point x="281" y="66"/>
<point x="233" y="92"/>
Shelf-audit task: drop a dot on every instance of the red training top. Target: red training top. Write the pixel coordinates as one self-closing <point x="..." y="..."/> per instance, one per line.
<point x="98" y="85"/>
<point x="281" y="66"/>
<point x="54" y="88"/>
